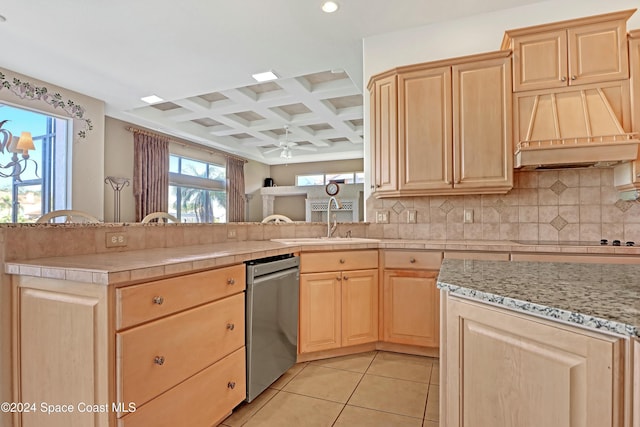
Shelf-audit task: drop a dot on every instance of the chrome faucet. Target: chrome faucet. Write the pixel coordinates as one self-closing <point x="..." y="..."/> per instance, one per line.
<point x="331" y="229"/>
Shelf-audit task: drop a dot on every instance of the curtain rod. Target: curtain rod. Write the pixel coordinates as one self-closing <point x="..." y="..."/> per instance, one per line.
<point x="185" y="144"/>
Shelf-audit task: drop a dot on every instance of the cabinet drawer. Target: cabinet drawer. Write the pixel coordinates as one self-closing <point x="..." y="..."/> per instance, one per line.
<point x="412" y="260"/>
<point x="202" y="400"/>
<point x="315" y="262"/>
<point x="156" y="356"/>
<point x="148" y="301"/>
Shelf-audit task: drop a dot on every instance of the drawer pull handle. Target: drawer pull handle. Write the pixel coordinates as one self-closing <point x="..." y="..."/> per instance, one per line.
<point x="345" y="277"/>
<point x="231" y="326"/>
<point x="159" y="360"/>
<point x="231" y="281"/>
<point x="158" y="300"/>
<point x="342" y="261"/>
<point x="412" y="260"/>
<point x="231" y="385"/>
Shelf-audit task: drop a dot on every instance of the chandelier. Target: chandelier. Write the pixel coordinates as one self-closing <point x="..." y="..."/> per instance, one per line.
<point x="15" y="145"/>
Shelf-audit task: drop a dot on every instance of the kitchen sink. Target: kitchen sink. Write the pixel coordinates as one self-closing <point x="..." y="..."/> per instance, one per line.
<point x="324" y="240"/>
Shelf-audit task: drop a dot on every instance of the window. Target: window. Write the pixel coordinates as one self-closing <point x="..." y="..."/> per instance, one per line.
<point x="43" y="185"/>
<point x="197" y="190"/>
<point x="325" y="178"/>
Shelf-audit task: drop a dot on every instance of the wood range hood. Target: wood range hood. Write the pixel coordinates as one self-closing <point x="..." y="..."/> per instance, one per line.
<point x="574" y="128"/>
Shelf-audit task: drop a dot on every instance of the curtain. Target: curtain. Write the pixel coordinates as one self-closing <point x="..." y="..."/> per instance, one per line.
<point x="150" y="174"/>
<point x="235" y="190"/>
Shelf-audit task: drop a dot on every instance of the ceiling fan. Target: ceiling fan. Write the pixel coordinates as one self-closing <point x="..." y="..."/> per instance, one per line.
<point x="287" y="146"/>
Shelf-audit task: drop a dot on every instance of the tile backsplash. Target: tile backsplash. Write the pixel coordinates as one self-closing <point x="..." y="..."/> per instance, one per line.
<point x="557" y="205"/>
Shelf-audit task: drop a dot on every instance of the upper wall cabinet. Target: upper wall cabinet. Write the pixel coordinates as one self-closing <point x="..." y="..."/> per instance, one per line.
<point x="443" y="127"/>
<point x="567" y="53"/>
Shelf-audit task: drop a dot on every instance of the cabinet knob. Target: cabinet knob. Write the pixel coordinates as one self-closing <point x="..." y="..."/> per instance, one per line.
<point x="231" y="281"/>
<point x="342" y="261"/>
<point x="158" y="300"/>
<point x="412" y="260"/>
<point x="231" y="326"/>
<point x="231" y="385"/>
<point x="159" y="360"/>
<point x="338" y="278"/>
<point x="345" y="277"/>
<point x="563" y="79"/>
<point x="573" y="77"/>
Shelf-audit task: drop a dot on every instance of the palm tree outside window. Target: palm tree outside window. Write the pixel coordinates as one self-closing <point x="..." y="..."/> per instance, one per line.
<point x="197" y="190"/>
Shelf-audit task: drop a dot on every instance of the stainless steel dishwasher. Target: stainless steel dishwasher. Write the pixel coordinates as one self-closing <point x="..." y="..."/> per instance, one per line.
<point x="271" y="320"/>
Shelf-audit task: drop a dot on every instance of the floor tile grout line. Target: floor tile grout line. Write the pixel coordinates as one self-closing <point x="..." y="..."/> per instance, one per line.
<point x="385" y="412"/>
<point x="356" y="387"/>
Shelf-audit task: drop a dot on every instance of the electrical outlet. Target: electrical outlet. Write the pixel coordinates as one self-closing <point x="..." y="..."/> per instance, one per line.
<point x="411" y="217"/>
<point x="231" y="233"/>
<point x="116" y="239"/>
<point x="382" y="217"/>
<point x="468" y="216"/>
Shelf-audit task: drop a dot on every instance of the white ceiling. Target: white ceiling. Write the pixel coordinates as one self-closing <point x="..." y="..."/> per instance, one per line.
<point x="199" y="55"/>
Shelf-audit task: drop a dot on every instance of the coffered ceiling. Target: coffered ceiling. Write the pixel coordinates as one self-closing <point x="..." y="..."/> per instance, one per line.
<point x="199" y="55"/>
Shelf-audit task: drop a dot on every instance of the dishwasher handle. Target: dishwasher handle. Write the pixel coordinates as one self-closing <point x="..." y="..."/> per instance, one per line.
<point x="257" y="281"/>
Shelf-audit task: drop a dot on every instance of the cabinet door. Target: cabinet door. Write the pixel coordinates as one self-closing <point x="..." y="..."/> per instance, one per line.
<point x="540" y="61"/>
<point x="384" y="131"/>
<point x="482" y="115"/>
<point x="411" y="308"/>
<point x="598" y="53"/>
<point x="63" y="355"/>
<point x="507" y="369"/>
<point x="320" y="311"/>
<point x="359" y="307"/>
<point x="424" y="129"/>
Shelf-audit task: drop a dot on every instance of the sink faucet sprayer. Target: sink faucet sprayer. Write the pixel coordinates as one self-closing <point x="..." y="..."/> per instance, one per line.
<point x="331" y="229"/>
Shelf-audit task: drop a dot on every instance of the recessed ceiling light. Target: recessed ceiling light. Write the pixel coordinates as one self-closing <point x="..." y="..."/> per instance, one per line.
<point x="329" y="6"/>
<point x="152" y="99"/>
<point x="265" y="77"/>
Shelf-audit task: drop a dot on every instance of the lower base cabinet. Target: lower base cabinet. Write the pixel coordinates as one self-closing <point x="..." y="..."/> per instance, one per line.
<point x="501" y="368"/>
<point x="168" y="352"/>
<point x="411" y="308"/>
<point x="224" y="380"/>
<point x="338" y="309"/>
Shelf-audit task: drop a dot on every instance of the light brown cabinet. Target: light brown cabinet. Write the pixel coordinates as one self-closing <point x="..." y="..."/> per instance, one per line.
<point x="172" y="348"/>
<point x="567" y="53"/>
<point x="338" y="308"/>
<point x="626" y="174"/>
<point x="453" y="123"/>
<point x="384" y="122"/>
<point x="410" y="305"/>
<point x="506" y="368"/>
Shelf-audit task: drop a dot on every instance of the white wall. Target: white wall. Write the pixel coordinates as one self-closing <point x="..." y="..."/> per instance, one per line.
<point x="466" y="36"/>
<point x="87" y="171"/>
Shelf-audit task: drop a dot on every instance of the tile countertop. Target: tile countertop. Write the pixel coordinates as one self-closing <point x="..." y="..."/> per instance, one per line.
<point x="123" y="267"/>
<point x="604" y="297"/>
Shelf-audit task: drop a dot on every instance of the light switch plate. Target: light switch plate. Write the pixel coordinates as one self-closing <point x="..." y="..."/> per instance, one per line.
<point x="231" y="233"/>
<point x="468" y="216"/>
<point x="412" y="217"/>
<point x="382" y="217"/>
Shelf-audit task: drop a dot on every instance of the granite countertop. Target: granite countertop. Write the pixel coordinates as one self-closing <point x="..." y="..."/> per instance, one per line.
<point x="604" y="297"/>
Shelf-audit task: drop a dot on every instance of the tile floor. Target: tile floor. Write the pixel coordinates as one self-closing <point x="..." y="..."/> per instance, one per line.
<point x="370" y="389"/>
